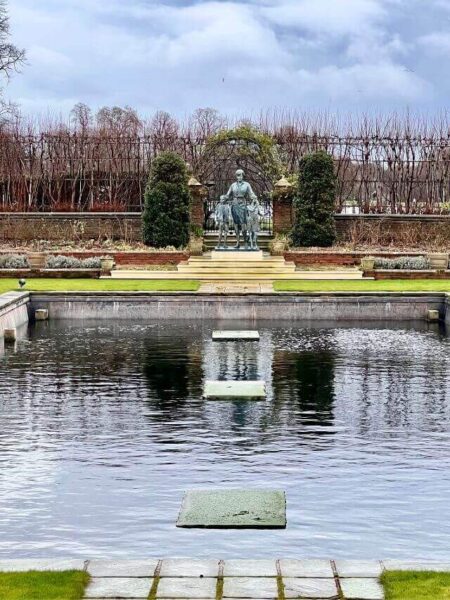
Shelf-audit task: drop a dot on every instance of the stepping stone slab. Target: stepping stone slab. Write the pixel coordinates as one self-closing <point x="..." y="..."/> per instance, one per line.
<point x="250" y="587"/>
<point x="185" y="587"/>
<point x="359" y="568"/>
<point x="220" y="336"/>
<point x="122" y="568"/>
<point x="234" y="390"/>
<point x="185" y="567"/>
<point x="233" y="509"/>
<point x="310" y="588"/>
<point x="311" y="568"/>
<point x="362" y="589"/>
<point x="118" y="587"/>
<point x="250" y="568"/>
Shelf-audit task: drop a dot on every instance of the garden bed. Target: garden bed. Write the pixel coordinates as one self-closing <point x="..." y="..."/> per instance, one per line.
<point x="406" y="274"/>
<point x="139" y="258"/>
<point x="52" y="273"/>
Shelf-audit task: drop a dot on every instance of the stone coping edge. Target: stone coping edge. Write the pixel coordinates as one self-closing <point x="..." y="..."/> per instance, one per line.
<point x="10" y="299"/>
<point x="193" y="294"/>
<point x="344" y="567"/>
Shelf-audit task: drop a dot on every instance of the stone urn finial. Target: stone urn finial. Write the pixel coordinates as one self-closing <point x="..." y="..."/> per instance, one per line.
<point x="283" y="184"/>
<point x="194" y="183"/>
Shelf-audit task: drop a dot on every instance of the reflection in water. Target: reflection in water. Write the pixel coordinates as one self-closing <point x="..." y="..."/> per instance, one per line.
<point x="104" y="428"/>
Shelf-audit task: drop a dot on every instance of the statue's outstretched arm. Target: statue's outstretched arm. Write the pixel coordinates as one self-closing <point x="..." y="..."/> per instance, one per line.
<point x="229" y="194"/>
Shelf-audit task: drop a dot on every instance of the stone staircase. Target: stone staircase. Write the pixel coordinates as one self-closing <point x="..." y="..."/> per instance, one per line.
<point x="242" y="266"/>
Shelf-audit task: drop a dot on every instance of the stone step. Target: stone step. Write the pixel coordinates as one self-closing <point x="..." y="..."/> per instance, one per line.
<point x="260" y="276"/>
<point x="266" y="259"/>
<point x="231" y="270"/>
<point x="231" y="255"/>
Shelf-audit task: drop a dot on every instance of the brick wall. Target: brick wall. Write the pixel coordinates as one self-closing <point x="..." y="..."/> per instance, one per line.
<point x="70" y="226"/>
<point x="391" y="230"/>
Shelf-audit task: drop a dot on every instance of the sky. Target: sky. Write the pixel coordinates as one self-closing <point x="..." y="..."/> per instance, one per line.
<point x="239" y="57"/>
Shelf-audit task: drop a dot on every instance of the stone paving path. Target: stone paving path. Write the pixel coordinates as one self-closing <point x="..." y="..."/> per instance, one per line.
<point x="185" y="579"/>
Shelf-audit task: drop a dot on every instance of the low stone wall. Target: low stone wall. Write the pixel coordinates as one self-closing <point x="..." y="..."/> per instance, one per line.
<point x="13" y="310"/>
<point x="285" y="307"/>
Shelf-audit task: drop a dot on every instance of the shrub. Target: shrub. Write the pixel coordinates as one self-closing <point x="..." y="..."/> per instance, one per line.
<point x="14" y="261"/>
<point x="408" y="263"/>
<point x="166" y="217"/>
<point x="69" y="262"/>
<point x="315" y="202"/>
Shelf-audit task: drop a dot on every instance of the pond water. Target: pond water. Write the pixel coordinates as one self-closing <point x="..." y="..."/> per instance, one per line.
<point x="103" y="429"/>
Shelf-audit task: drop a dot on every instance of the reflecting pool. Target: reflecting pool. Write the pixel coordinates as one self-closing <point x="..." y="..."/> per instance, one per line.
<point x="103" y="428"/>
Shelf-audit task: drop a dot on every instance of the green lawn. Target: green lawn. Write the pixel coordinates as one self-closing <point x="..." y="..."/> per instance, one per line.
<point x="413" y="585"/>
<point x="358" y="285"/>
<point x="37" y="585"/>
<point x="96" y="285"/>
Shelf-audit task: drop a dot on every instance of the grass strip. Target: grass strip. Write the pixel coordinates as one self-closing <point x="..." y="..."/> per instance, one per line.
<point x="37" y="585"/>
<point x="101" y="285"/>
<point x="416" y="585"/>
<point x="359" y="285"/>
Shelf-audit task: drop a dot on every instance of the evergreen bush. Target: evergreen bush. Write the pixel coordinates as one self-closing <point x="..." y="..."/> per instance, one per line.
<point x="315" y="202"/>
<point x="166" y="216"/>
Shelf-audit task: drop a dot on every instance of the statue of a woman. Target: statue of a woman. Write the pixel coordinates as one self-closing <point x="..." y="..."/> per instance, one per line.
<point x="240" y="191"/>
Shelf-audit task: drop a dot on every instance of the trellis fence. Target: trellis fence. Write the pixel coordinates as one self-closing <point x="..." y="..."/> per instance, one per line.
<point x="89" y="171"/>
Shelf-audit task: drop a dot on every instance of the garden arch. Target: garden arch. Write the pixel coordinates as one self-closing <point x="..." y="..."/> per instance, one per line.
<point x="241" y="148"/>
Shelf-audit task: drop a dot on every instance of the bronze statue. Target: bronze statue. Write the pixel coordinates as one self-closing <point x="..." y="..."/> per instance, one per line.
<point x="239" y="193"/>
<point x="223" y="214"/>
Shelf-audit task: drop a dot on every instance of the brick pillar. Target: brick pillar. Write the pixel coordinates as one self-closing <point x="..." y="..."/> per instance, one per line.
<point x="198" y="194"/>
<point x="283" y="210"/>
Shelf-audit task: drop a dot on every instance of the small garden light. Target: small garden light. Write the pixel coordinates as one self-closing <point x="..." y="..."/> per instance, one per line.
<point x="22" y="283"/>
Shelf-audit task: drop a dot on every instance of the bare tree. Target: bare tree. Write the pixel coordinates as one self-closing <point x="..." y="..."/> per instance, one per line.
<point x="11" y="58"/>
<point x="81" y="117"/>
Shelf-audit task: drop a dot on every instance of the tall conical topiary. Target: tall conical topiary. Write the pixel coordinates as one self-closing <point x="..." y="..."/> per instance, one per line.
<point x="315" y="202"/>
<point x="166" y="214"/>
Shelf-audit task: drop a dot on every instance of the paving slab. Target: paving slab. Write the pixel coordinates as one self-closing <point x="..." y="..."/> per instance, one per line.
<point x="234" y="390"/>
<point x="310" y="588"/>
<point x="34" y="564"/>
<point x="362" y="589"/>
<point x="226" y="335"/>
<point x="250" y="587"/>
<point x="359" y="568"/>
<point x="312" y="568"/>
<point x="184" y="567"/>
<point x="118" y="587"/>
<point x="122" y="568"/>
<point x="408" y="565"/>
<point x="189" y="587"/>
<point x="233" y="509"/>
<point x="250" y="568"/>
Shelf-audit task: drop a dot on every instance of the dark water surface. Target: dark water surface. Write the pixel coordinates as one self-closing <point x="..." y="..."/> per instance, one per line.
<point x="103" y="428"/>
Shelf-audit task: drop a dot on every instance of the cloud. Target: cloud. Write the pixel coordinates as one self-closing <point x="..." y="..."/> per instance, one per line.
<point x="437" y="43"/>
<point x="235" y="55"/>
